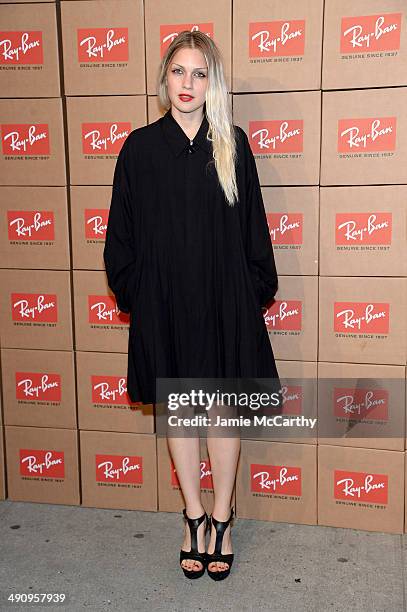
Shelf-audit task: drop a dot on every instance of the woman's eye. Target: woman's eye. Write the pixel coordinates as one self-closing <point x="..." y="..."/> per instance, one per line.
<point x="201" y="74"/>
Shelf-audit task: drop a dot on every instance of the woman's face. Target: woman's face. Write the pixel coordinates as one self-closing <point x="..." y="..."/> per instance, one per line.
<point x="187" y="74"/>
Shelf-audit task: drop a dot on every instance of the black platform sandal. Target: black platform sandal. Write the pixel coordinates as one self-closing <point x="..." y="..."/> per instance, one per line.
<point x="193" y="553"/>
<point x="220" y="527"/>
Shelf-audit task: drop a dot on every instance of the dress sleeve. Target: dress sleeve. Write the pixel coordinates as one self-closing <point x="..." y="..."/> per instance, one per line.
<point x="119" y="251"/>
<point x="259" y="248"/>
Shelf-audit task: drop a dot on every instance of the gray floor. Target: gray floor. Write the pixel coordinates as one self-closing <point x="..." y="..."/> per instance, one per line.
<point x="128" y="560"/>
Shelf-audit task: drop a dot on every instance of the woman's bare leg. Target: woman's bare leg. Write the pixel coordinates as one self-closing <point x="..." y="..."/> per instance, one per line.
<point x="223" y="456"/>
<point x="185" y="454"/>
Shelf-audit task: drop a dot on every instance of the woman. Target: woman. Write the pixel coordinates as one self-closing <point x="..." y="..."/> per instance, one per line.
<point x="188" y="254"/>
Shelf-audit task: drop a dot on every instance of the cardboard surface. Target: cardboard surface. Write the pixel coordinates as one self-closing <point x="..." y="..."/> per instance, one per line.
<point x="118" y="470"/>
<point x="39" y="388"/>
<point x="89" y="215"/>
<point x="36" y="309"/>
<point x="362" y="320"/>
<point x="277" y="46"/>
<point x="361" y="488"/>
<point x="364" y="137"/>
<point x="35" y="234"/>
<point x="276" y="481"/>
<point x="360" y="404"/>
<point x="32" y="137"/>
<point x="292" y="321"/>
<point x="364" y="44"/>
<point x="103" y="402"/>
<point x="99" y="324"/>
<point x="42" y="465"/>
<point x="30" y="62"/>
<point x="97" y="129"/>
<point x="103" y="45"/>
<point x="363" y="231"/>
<point x="284" y="131"/>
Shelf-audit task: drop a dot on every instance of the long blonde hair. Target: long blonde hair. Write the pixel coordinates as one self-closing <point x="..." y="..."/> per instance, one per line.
<point x="218" y="112"/>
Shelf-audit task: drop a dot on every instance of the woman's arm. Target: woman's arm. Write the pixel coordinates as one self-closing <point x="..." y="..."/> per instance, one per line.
<point x="119" y="251"/>
<point x="259" y="248"/>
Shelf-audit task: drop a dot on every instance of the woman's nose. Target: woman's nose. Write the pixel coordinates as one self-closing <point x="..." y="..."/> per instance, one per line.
<point x="187" y="81"/>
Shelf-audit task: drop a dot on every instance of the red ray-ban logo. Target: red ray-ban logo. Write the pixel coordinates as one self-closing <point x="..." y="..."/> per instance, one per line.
<point x="31" y="224"/>
<point x="103" y="309"/>
<point x="41" y="307"/>
<point x="370" y="134"/>
<point x="102" y="138"/>
<point x="278" y="479"/>
<point x="361" y="486"/>
<point x="361" y="317"/>
<point x="119" y="468"/>
<point x="285" y="228"/>
<point x="363" y="228"/>
<point x="96" y="223"/>
<point x="359" y="404"/>
<point x="109" y="390"/>
<point x="103" y="44"/>
<point x="277" y="38"/>
<point x="277" y="136"/>
<point x="25" y="139"/>
<point x="284" y="314"/>
<point x="169" y="32"/>
<point x="205" y="475"/>
<point x="39" y="462"/>
<point x="370" y="32"/>
<point x="21" y="47"/>
<point x="38" y="386"/>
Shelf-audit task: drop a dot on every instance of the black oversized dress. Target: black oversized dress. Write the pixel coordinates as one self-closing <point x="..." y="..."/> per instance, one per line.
<point x="192" y="271"/>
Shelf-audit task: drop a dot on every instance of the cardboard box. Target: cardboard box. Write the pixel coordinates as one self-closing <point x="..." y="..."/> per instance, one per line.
<point x="363" y="231"/>
<point x="32" y="136"/>
<point x="277" y="46"/>
<point x="118" y="470"/>
<point x="364" y="44"/>
<point x="103" y="402"/>
<point x="36" y="309"/>
<point x="361" y="488"/>
<point x="299" y="386"/>
<point x="293" y="219"/>
<point x="364" y="137"/>
<point x="362" y="405"/>
<point x="30" y="63"/>
<point x="170" y="497"/>
<point x="291" y="320"/>
<point x="362" y="320"/>
<point x="163" y="24"/>
<point x="284" y="134"/>
<point x="276" y="481"/>
<point x="97" y="129"/>
<point x="103" y="44"/>
<point x="36" y="233"/>
<point x="89" y="215"/>
<point x="42" y="465"/>
<point x="99" y="324"/>
<point x="39" y="388"/>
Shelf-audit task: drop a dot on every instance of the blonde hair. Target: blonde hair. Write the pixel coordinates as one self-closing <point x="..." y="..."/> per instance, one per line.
<point x="221" y="131"/>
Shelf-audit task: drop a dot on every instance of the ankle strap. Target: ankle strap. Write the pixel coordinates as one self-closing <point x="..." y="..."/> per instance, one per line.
<point x="223" y="524"/>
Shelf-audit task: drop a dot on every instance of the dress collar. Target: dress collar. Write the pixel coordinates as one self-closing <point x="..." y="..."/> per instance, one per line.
<point x="178" y="140"/>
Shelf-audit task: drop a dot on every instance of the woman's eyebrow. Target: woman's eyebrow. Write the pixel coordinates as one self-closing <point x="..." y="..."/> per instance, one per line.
<point x="193" y="68"/>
